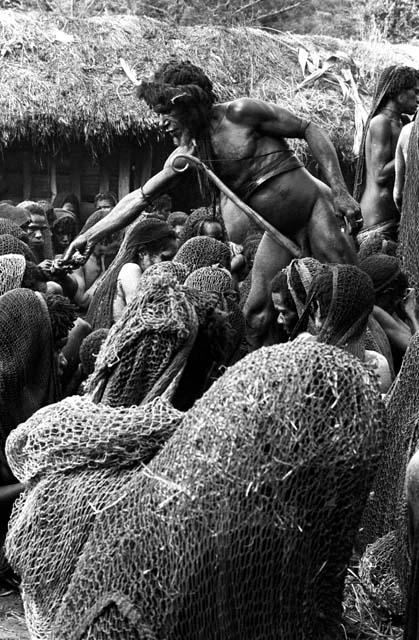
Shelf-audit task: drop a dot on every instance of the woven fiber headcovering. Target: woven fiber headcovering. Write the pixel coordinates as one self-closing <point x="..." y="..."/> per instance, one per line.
<point x="345" y="295"/>
<point x="242" y="526"/>
<point x="382" y="269"/>
<point x="300" y="274"/>
<point x="100" y="313"/>
<point x="195" y="222"/>
<point x="12" y="269"/>
<point x="10" y="244"/>
<point x="173" y="269"/>
<point x="210" y="279"/>
<point x="72" y="456"/>
<point x="28" y="377"/>
<point x="376" y="244"/>
<point x="391" y="82"/>
<point x="17" y="215"/>
<point x="12" y="229"/>
<point x="203" y="252"/>
<point x="148" y="341"/>
<point x="408" y="230"/>
<point x="89" y="349"/>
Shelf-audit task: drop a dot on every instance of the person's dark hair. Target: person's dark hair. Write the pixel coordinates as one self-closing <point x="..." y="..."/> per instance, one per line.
<point x="34" y="209"/>
<point x="161" y="202"/>
<point x="151" y="236"/>
<point x="177" y="218"/>
<point x="195" y="222"/>
<point x="72" y="199"/>
<point x="62" y="315"/>
<point x="106" y="195"/>
<point x="279" y="285"/>
<point x="33" y="278"/>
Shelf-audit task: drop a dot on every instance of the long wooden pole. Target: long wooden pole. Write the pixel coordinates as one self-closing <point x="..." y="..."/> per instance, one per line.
<point x="276" y="235"/>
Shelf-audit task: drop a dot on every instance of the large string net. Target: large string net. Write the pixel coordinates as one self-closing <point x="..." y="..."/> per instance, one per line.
<point x="148" y="346"/>
<point x="10" y="244"/>
<point x="100" y="313"/>
<point x="241" y="527"/>
<point x="385" y="566"/>
<point x="17" y="215"/>
<point x="202" y="251"/>
<point x="28" y="377"/>
<point x="12" y="229"/>
<point x="75" y="458"/>
<point x="409" y="228"/>
<point x="12" y="269"/>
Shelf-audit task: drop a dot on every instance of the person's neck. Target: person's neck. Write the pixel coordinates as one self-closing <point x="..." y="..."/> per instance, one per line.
<point x="391" y="111"/>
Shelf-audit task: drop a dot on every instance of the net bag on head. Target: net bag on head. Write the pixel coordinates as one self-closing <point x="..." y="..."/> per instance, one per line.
<point x="384" y="523"/>
<point x="408" y="229"/>
<point x="12" y="269"/>
<point x="12" y="229"/>
<point x="10" y="244"/>
<point x="175" y="269"/>
<point x="148" y="347"/>
<point x="74" y="458"/>
<point x="203" y="252"/>
<point x="28" y="376"/>
<point x="242" y="526"/>
<point x="196" y="220"/>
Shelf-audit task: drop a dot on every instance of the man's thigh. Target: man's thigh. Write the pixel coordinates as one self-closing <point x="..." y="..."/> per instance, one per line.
<point x="327" y="241"/>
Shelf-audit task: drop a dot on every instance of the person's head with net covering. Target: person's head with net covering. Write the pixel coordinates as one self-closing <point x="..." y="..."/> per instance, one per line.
<point x="409" y="230"/>
<point x="12" y="270"/>
<point x="11" y="244"/>
<point x="247" y="516"/>
<point x="175" y="269"/>
<point x="390" y="283"/>
<point x="89" y="349"/>
<point x="147" y="242"/>
<point x="38" y="231"/>
<point x="218" y="281"/>
<point x="12" y="229"/>
<point x="376" y="244"/>
<point x="148" y="347"/>
<point x="17" y="215"/>
<point x="64" y="229"/>
<point x="340" y="300"/>
<point x="204" y="222"/>
<point x="177" y="220"/>
<point x="202" y="251"/>
<point x="393" y="81"/>
<point x="28" y="367"/>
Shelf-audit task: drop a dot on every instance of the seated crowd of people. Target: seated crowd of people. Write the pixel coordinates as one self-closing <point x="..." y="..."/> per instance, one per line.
<point x="156" y="311"/>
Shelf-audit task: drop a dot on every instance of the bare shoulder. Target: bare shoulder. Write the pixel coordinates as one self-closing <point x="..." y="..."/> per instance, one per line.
<point x="128" y="271"/>
<point x="379" y="125"/>
<point x="405" y="135"/>
<point x="243" y="109"/>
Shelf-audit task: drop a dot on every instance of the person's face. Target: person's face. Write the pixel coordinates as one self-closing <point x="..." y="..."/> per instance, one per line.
<point x="287" y="317"/>
<point x="166" y="253"/>
<point x="37" y="227"/>
<point x="409" y="100"/>
<point x="213" y="230"/>
<point x="104" y="204"/>
<point x="171" y="122"/>
<point x="178" y="230"/>
<point x="62" y="237"/>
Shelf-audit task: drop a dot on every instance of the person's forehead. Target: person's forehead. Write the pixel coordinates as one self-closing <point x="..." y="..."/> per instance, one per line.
<point x="37" y="219"/>
<point x="278" y="299"/>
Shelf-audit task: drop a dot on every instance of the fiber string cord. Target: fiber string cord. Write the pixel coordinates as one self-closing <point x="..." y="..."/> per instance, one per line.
<point x="276" y="235"/>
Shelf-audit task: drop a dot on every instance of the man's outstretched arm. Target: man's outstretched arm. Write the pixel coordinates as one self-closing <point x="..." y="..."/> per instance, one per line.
<point x="127" y="209"/>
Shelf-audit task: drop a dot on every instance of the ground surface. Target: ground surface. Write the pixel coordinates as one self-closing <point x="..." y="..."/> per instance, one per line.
<point x="12" y="620"/>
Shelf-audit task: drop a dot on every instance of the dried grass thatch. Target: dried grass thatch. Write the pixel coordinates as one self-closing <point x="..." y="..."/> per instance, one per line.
<point x="61" y="78"/>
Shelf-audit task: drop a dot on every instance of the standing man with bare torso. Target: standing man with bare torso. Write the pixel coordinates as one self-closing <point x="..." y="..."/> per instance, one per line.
<point x="243" y="141"/>
<point x="397" y="93"/>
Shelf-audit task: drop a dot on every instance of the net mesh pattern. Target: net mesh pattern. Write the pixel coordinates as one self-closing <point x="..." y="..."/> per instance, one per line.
<point x="12" y="269"/>
<point x="210" y="279"/>
<point x="75" y="457"/>
<point x="10" y="244"/>
<point x="28" y="377"/>
<point x="89" y="349"/>
<point x="174" y="269"/>
<point x="384" y="523"/>
<point x="408" y="229"/>
<point x="147" y="344"/>
<point x="203" y="252"/>
<point x="241" y="527"/>
<point x="194" y="223"/>
<point x="12" y="229"/>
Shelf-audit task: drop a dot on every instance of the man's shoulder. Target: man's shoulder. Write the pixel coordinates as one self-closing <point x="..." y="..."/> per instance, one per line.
<point x="240" y="108"/>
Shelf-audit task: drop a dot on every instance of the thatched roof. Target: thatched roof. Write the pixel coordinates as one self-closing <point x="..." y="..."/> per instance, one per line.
<point x="61" y="78"/>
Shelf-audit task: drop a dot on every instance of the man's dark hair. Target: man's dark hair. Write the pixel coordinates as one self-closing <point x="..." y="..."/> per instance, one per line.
<point x="62" y="315"/>
<point x="279" y="284"/>
<point x="106" y="195"/>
